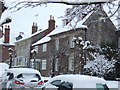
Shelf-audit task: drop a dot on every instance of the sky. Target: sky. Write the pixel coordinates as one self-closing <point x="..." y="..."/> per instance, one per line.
<point x="23" y="19"/>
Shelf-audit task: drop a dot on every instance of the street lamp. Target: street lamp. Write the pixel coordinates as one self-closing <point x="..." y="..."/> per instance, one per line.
<point x="34" y="56"/>
<point x="10" y="55"/>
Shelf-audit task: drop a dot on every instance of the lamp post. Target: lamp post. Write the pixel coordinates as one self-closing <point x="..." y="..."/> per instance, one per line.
<point x="34" y="56"/>
<point x="10" y="55"/>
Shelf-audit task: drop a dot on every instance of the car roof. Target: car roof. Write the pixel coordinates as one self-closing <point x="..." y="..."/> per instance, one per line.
<point x="17" y="71"/>
<point x="80" y="81"/>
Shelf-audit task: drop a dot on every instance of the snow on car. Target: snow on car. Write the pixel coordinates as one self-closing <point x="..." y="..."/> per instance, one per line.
<point x="73" y="82"/>
<point x="21" y="78"/>
<point x="3" y="67"/>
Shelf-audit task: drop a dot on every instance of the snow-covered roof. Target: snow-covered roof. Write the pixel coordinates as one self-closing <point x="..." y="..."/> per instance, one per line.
<point x="71" y="26"/>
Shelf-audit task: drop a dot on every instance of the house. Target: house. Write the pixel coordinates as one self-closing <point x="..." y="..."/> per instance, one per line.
<point x="5" y="44"/>
<point x="58" y="52"/>
<point x="23" y="47"/>
<point x="118" y="56"/>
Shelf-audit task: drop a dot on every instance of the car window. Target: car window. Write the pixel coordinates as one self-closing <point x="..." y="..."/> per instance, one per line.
<point x="56" y="82"/>
<point x="101" y="87"/>
<point x="38" y="76"/>
<point x="65" y="86"/>
<point x="20" y="76"/>
<point x="29" y="76"/>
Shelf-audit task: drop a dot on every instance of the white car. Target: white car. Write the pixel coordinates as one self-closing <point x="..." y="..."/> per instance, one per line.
<point x="21" y="78"/>
<point x="3" y="67"/>
<point x="73" y="82"/>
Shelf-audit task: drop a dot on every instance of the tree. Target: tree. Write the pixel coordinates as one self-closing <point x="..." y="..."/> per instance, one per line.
<point x="102" y="65"/>
<point x="80" y="8"/>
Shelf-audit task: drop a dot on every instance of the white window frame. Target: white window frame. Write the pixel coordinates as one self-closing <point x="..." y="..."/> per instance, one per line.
<point x="44" y="47"/>
<point x="71" y="42"/>
<point x="56" y="64"/>
<point x="44" y="63"/>
<point x="119" y="42"/>
<point x="71" y="63"/>
<point x="57" y="43"/>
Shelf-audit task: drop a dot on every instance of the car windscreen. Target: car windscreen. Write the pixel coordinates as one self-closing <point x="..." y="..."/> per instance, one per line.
<point x="29" y="76"/>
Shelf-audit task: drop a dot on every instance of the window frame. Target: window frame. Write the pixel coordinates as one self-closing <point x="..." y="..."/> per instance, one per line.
<point x="44" y="64"/>
<point x="71" y="43"/>
<point x="56" y="64"/>
<point x="118" y="42"/>
<point x="71" y="63"/>
<point x="44" y="47"/>
<point x="57" y="42"/>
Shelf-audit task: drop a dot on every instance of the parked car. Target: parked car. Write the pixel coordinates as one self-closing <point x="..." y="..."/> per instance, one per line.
<point x="73" y="82"/>
<point x="21" y="78"/>
<point x="3" y="67"/>
<point x="45" y="79"/>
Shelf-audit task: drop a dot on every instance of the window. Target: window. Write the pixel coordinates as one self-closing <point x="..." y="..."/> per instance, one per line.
<point x="36" y="49"/>
<point x="56" y="82"/>
<point x="119" y="42"/>
<point x="56" y="65"/>
<point x="102" y="87"/>
<point x="44" y="47"/>
<point x="71" y="63"/>
<point x="71" y="43"/>
<point x="43" y="64"/>
<point x="57" y="43"/>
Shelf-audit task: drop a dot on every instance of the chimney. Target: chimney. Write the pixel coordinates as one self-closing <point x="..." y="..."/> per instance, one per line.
<point x="34" y="27"/>
<point x="51" y="25"/>
<point x="7" y="34"/>
<point x="65" y="22"/>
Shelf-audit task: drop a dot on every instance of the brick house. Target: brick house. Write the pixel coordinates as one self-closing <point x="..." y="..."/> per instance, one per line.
<point x="118" y="57"/>
<point x="59" y="54"/>
<point x="5" y="45"/>
<point x="23" y="47"/>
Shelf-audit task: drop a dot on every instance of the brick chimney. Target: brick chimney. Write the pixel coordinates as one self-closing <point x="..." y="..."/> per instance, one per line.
<point x="34" y="27"/>
<point x="51" y="23"/>
<point x="7" y="34"/>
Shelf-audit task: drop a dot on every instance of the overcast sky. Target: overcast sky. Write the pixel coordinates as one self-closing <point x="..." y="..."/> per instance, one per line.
<point x="23" y="19"/>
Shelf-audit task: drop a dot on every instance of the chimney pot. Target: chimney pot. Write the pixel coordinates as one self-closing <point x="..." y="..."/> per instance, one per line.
<point x="34" y="27"/>
<point x="51" y="17"/>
